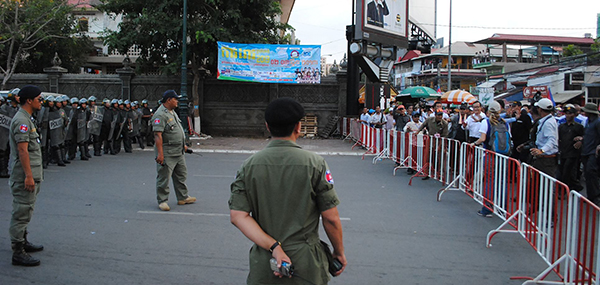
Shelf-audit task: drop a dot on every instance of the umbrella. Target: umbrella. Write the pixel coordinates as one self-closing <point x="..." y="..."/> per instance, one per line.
<point x="419" y="92"/>
<point x="458" y="97"/>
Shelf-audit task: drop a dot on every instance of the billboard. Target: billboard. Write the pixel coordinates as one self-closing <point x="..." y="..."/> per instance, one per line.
<point x="382" y="21"/>
<point x="530" y="91"/>
<point x="295" y="64"/>
<point x="422" y="14"/>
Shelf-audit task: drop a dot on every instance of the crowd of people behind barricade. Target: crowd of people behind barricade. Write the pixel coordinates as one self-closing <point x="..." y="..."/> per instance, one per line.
<point x="68" y="126"/>
<point x="560" y="141"/>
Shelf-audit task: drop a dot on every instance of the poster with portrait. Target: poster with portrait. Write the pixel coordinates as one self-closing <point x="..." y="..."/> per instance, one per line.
<point x="387" y="16"/>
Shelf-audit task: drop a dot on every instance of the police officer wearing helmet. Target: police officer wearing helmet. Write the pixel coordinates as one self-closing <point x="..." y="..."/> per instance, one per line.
<point x="277" y="199"/>
<point x="106" y="126"/>
<point x="137" y="120"/>
<point x="7" y="112"/>
<point x="57" y="119"/>
<point x="82" y="138"/>
<point x="42" y="123"/>
<point x="119" y="127"/>
<point x="114" y="126"/>
<point x="92" y="101"/>
<point x="169" y="148"/>
<point x="26" y="176"/>
<point x="128" y="129"/>
<point x="95" y="125"/>
<point x="71" y="137"/>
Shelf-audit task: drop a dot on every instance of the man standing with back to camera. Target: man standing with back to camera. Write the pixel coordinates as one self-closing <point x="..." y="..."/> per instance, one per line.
<point x="277" y="198"/>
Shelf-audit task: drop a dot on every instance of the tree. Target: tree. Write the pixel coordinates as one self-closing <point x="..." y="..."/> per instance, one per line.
<point x="595" y="47"/>
<point x="572" y="50"/>
<point x="26" y="28"/>
<point x="154" y="26"/>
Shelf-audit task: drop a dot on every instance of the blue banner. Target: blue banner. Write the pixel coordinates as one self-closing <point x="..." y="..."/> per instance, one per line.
<point x="299" y="64"/>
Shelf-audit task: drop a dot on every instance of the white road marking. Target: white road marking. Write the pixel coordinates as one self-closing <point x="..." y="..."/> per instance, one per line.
<point x="198" y="214"/>
<point x="214" y="176"/>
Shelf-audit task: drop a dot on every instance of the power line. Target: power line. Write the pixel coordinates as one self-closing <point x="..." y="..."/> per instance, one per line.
<point x="509" y="28"/>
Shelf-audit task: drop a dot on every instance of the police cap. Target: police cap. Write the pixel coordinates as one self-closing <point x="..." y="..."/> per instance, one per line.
<point x="284" y="112"/>
<point x="29" y="92"/>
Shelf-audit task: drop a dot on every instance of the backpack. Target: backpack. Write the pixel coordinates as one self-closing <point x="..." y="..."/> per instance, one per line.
<point x="498" y="138"/>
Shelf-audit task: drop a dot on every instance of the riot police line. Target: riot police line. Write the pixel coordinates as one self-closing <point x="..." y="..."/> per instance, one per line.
<point x="69" y="127"/>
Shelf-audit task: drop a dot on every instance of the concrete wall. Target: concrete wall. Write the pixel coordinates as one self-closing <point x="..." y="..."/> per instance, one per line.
<point x="225" y="107"/>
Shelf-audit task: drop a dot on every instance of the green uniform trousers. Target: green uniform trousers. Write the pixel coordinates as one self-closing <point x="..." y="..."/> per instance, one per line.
<point x="23" y="204"/>
<point x="173" y="166"/>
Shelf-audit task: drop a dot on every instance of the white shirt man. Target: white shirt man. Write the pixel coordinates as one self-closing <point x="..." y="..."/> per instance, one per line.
<point x="473" y="123"/>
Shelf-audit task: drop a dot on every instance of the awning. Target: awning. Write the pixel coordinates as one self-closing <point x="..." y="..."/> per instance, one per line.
<point x="564" y="96"/>
<point x="490" y="83"/>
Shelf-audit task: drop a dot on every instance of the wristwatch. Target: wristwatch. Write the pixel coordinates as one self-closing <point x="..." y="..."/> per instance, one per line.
<point x="276" y="244"/>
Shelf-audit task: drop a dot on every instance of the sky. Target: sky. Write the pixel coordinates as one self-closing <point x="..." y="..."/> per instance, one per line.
<point x="323" y="22"/>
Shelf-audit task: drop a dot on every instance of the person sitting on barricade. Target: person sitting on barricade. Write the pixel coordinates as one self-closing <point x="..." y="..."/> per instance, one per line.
<point x="495" y="136"/>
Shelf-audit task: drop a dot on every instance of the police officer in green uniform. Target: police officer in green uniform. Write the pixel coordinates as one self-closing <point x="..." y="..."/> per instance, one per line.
<point x="277" y="198"/>
<point x="26" y="176"/>
<point x="169" y="148"/>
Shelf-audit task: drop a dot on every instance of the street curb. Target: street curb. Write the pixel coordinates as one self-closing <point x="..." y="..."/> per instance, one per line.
<point x="233" y="151"/>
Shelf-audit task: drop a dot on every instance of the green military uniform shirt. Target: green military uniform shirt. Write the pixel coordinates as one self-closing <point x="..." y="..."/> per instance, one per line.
<point x="285" y="189"/>
<point x="173" y="137"/>
<point x="22" y="129"/>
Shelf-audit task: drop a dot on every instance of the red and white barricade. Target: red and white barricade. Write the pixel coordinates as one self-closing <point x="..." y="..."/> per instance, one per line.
<point x="410" y="151"/>
<point x="355" y="128"/>
<point x="380" y="144"/>
<point x="579" y="264"/>
<point x="491" y="179"/>
<point x="345" y="127"/>
<point x="444" y="159"/>
<point x="541" y="217"/>
<point x="364" y="136"/>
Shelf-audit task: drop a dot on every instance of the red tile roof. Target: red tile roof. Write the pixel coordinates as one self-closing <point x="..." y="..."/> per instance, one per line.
<point x="410" y="54"/>
<point x="535" y="40"/>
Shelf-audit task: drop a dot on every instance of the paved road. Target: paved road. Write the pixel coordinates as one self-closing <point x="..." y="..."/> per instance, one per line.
<point x="100" y="224"/>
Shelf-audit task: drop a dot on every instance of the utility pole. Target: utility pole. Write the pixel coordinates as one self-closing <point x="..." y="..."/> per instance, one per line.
<point x="450" y="50"/>
<point x="183" y="102"/>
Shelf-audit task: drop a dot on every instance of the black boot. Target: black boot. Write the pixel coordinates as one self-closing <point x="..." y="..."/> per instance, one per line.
<point x="29" y="247"/>
<point x="63" y="154"/>
<point x="86" y="148"/>
<point x="57" y="156"/>
<point x="82" y="153"/>
<point x="45" y="157"/>
<point x="4" y="164"/>
<point x="20" y="257"/>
